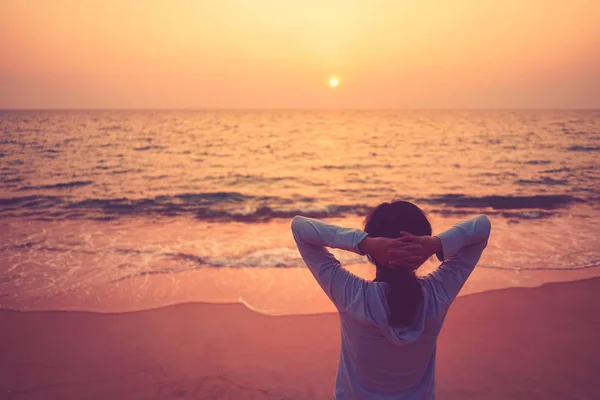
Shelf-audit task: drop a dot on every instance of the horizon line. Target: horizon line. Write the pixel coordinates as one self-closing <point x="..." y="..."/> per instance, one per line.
<point x="299" y="109"/>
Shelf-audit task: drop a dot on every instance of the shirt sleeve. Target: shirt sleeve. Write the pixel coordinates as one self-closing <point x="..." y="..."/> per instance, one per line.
<point x="312" y="237"/>
<point x="462" y="246"/>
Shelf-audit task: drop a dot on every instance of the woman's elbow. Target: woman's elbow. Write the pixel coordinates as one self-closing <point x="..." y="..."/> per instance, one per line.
<point x="486" y="226"/>
<point x="297" y="224"/>
<point x="296" y="221"/>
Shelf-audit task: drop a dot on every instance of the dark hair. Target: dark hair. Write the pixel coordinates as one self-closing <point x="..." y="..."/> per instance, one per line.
<point x="405" y="294"/>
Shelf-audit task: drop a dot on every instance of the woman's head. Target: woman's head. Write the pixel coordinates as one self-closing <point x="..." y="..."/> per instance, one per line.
<point x="404" y="295"/>
<point x="389" y="219"/>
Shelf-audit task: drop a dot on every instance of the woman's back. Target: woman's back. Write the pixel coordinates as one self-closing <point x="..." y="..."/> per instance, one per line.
<point x="385" y="359"/>
<point x="378" y="361"/>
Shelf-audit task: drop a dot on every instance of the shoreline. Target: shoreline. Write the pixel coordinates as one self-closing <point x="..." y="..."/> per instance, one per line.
<point x="254" y="310"/>
<point x="268" y="291"/>
<point x="520" y="343"/>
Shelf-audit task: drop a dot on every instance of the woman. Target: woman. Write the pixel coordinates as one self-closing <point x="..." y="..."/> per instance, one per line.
<point x="390" y="325"/>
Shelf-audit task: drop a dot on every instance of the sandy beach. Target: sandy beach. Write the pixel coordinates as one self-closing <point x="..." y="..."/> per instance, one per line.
<point x="523" y="343"/>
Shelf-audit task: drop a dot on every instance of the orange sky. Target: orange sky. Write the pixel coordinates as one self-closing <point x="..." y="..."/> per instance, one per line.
<point x="281" y="54"/>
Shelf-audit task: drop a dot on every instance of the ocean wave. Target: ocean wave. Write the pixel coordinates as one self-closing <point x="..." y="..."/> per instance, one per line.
<point x="66" y="185"/>
<point x="563" y="169"/>
<point x="232" y="206"/>
<point x="10" y="180"/>
<point x="538" y="162"/>
<point x="513" y="215"/>
<point x="114" y="127"/>
<point x="220" y="206"/>
<point x="544" y="181"/>
<point x="211" y="197"/>
<point x="31" y="201"/>
<point x="152" y="147"/>
<point x="285" y="258"/>
<point x="266" y="213"/>
<point x="504" y="202"/>
<point x="353" y="166"/>
<point x="235" y="206"/>
<point x="584" y="148"/>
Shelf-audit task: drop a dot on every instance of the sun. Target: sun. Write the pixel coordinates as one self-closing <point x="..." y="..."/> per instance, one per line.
<point x="334" y="82"/>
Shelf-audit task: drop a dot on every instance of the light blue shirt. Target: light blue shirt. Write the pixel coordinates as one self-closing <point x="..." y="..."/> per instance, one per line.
<point x="378" y="361"/>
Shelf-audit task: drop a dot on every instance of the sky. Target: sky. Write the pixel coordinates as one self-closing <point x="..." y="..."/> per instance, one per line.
<point x="260" y="54"/>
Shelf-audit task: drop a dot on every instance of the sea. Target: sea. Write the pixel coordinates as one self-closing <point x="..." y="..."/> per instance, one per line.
<point x="116" y="211"/>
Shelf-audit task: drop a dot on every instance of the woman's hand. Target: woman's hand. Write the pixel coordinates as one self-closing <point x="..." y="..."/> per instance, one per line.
<point x="412" y="251"/>
<point x="390" y="253"/>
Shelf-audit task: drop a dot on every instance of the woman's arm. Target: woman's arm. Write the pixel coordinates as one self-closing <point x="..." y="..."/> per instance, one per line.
<point x="312" y="236"/>
<point x="461" y="249"/>
<point x="311" y="233"/>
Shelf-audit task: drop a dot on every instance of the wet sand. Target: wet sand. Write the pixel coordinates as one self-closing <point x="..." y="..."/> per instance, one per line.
<point x="520" y="343"/>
